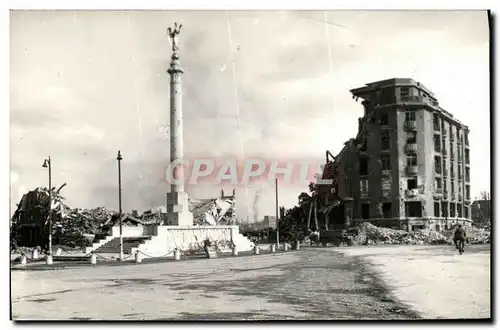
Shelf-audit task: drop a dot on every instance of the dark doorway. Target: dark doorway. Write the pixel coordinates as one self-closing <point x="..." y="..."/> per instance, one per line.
<point x="444" y="209"/>
<point x="413" y="209"/>
<point x="365" y="211"/>
<point x="453" y="208"/>
<point x="387" y="210"/>
<point x="436" y="209"/>
<point x="337" y="217"/>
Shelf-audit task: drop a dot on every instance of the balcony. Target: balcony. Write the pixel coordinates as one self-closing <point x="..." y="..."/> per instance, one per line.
<point x="412" y="169"/>
<point x="415" y="99"/>
<point x="410" y="125"/>
<point x="437" y="130"/>
<point x="460" y="198"/>
<point x="411" y="193"/>
<point x="411" y="148"/>
<point x="411" y="99"/>
<point x="445" y="194"/>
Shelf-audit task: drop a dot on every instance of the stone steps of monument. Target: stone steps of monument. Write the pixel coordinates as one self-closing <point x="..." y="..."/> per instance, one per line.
<point x="129" y="243"/>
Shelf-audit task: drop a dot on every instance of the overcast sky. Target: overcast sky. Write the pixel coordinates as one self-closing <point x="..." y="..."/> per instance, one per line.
<point x="85" y="84"/>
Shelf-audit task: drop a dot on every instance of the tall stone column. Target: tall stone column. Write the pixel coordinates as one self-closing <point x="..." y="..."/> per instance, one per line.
<point x="176" y="131"/>
<point x="178" y="213"/>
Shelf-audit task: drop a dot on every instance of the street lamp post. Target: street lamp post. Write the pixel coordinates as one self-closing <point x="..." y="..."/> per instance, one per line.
<point x="277" y="216"/>
<point x="119" y="158"/>
<point x="48" y="164"/>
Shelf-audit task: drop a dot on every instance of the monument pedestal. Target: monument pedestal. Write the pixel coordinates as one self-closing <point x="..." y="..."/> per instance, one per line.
<point x="178" y="213"/>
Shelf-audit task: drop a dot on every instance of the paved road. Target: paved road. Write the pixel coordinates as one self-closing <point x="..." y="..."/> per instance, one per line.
<point x="308" y="284"/>
<point x="435" y="281"/>
<point x="315" y="283"/>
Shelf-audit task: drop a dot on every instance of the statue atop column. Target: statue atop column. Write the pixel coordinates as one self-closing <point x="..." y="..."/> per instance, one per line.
<point x="172" y="33"/>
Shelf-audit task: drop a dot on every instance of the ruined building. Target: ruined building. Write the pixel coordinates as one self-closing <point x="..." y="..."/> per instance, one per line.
<point x="214" y="211"/>
<point x="409" y="165"/>
<point x="481" y="211"/>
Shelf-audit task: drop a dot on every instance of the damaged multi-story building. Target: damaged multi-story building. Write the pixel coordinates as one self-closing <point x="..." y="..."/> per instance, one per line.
<point x="409" y="165"/>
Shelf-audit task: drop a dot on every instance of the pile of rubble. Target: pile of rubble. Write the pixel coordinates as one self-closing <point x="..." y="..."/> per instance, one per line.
<point x="368" y="234"/>
<point x="71" y="227"/>
<point x="79" y="226"/>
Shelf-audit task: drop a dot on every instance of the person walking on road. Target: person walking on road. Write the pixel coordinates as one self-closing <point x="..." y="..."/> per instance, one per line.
<point x="206" y="245"/>
<point x="459" y="236"/>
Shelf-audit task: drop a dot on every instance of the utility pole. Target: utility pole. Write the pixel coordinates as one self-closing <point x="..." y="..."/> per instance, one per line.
<point x="47" y="164"/>
<point x="277" y="216"/>
<point x="119" y="158"/>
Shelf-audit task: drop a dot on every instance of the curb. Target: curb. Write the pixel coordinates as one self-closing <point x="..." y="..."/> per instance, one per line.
<point x="116" y="263"/>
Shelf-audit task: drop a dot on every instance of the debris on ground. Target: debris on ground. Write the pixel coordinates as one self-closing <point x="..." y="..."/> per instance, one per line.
<point x="369" y="234"/>
<point x="71" y="227"/>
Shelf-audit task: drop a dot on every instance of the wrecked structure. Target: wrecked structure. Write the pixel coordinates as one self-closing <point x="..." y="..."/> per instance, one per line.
<point x="71" y="227"/>
<point x="481" y="212"/>
<point x="409" y="165"/>
<point x="76" y="227"/>
<point x="29" y="223"/>
<point x="214" y="211"/>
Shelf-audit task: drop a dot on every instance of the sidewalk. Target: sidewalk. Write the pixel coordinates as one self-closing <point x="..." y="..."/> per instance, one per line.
<point x="106" y="259"/>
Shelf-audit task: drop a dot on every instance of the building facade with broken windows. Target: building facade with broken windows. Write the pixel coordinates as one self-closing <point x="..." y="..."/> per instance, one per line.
<point x="409" y="165"/>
